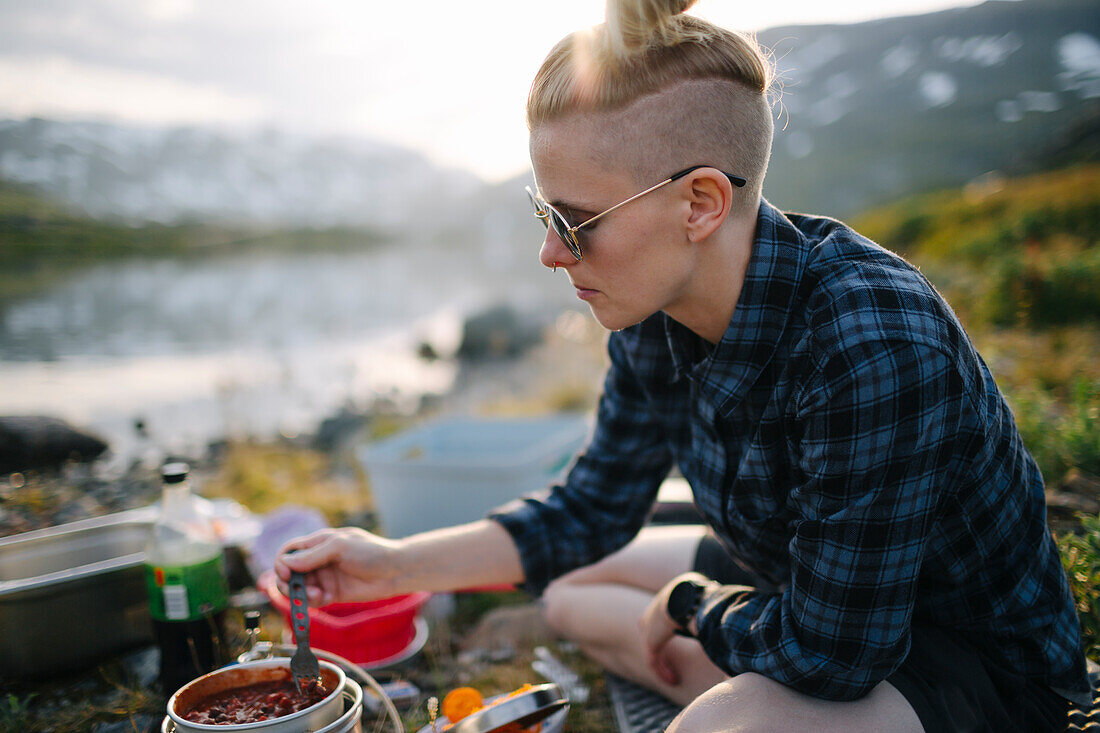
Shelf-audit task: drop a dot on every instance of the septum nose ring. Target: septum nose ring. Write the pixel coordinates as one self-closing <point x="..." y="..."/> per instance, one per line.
<point x="556" y="263"/>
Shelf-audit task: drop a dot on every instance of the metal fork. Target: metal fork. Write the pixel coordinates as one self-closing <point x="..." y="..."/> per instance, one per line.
<point x="303" y="665"/>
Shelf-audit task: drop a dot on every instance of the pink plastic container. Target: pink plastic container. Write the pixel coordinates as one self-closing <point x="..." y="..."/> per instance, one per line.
<point x="365" y="633"/>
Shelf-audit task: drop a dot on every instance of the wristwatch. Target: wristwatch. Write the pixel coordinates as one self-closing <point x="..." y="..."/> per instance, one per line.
<point x="683" y="602"/>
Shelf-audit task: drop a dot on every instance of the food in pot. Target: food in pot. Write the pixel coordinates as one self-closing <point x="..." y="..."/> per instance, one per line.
<point x="254" y="703"/>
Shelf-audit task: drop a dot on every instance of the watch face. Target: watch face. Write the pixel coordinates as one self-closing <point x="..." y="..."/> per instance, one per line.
<point x="683" y="601"/>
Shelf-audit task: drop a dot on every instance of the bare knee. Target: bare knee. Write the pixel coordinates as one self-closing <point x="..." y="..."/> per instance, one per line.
<point x="746" y="703"/>
<point x="752" y="703"/>
<point x="556" y="610"/>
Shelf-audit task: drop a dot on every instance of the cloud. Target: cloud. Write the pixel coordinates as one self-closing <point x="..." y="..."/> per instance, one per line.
<point x="59" y="87"/>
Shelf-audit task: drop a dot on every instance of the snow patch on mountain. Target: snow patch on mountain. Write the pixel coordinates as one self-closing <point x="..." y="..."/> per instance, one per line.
<point x="802" y="62"/>
<point x="899" y="59"/>
<point x="984" y="51"/>
<point x="937" y="89"/>
<point x="1013" y="110"/>
<point x="1079" y="56"/>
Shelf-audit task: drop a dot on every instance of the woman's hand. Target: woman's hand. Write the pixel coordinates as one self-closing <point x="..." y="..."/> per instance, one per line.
<point x="341" y="565"/>
<point x="657" y="628"/>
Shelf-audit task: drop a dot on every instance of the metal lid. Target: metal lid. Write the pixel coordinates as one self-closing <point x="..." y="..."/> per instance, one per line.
<point x="526" y="708"/>
<point x="175" y="472"/>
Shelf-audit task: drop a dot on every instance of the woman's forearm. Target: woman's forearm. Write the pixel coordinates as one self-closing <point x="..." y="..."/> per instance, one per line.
<point x="470" y="555"/>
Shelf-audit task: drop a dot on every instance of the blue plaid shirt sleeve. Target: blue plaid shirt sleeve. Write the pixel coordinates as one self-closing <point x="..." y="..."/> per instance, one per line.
<point x="607" y="493"/>
<point x="881" y="428"/>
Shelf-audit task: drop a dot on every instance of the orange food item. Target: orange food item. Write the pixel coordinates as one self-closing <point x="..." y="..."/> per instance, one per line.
<point x="460" y="702"/>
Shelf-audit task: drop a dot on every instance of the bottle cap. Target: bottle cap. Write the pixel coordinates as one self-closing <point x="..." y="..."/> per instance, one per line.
<point x="174" y="473"/>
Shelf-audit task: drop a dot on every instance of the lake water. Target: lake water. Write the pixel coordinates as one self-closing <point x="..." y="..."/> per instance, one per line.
<point x="250" y="344"/>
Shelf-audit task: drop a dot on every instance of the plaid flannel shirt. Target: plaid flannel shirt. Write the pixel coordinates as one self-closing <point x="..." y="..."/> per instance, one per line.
<point x="846" y="441"/>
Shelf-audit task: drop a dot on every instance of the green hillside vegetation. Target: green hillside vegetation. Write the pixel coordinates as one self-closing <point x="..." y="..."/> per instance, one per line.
<point x="41" y="240"/>
<point x="1010" y="252"/>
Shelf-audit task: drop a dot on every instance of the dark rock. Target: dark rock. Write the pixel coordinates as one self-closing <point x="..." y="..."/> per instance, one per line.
<point x="335" y="432"/>
<point x="427" y="352"/>
<point x="1081" y="483"/>
<point x="143" y="665"/>
<point x="498" y="332"/>
<point x="504" y="629"/>
<point x="364" y="518"/>
<point x="30" y="442"/>
<point x="1067" y="504"/>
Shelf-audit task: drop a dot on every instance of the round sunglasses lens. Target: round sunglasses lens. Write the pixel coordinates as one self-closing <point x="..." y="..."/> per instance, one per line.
<point x="565" y="234"/>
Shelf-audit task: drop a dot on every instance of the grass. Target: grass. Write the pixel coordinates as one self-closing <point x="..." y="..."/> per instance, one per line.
<point x="266" y="476"/>
<point x="81" y="702"/>
<point x="1008" y="253"/>
<point x="1062" y="435"/>
<point x="1081" y="559"/>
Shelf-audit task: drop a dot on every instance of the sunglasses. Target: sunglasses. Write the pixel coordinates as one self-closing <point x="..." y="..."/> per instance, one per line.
<point x="552" y="218"/>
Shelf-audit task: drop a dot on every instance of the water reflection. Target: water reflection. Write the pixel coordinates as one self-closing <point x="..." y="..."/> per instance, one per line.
<point x="246" y="345"/>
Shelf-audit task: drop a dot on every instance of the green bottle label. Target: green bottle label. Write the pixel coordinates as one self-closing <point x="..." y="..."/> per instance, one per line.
<point x="187" y="593"/>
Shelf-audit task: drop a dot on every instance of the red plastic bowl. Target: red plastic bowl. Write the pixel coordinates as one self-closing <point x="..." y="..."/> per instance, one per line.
<point x="365" y="633"/>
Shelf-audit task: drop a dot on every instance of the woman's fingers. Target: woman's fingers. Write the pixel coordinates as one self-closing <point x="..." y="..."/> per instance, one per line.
<point x="295" y="554"/>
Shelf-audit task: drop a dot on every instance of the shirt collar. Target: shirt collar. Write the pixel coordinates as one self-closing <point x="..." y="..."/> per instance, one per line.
<point x="763" y="310"/>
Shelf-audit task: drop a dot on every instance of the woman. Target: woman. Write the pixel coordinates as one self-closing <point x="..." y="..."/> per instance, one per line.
<point x="879" y="558"/>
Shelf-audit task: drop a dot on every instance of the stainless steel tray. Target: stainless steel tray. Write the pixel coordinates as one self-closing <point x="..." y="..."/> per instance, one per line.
<point x="72" y="593"/>
<point x="526" y="708"/>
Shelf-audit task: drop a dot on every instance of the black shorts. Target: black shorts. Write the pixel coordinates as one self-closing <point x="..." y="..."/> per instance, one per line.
<point x="953" y="684"/>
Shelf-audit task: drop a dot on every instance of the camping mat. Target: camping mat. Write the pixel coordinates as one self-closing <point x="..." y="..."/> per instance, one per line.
<point x="637" y="710"/>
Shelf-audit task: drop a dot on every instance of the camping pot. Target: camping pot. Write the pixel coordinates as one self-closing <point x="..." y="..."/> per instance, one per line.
<point x="329" y="715"/>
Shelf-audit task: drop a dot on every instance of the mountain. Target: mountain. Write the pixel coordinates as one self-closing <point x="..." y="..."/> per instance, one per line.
<point x="179" y="174"/>
<point x="868" y="112"/>
<point x="873" y="111"/>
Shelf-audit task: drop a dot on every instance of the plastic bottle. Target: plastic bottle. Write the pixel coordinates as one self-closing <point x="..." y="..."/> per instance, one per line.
<point x="186" y="582"/>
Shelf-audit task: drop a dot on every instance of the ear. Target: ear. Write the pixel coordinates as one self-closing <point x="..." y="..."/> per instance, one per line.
<point x="710" y="195"/>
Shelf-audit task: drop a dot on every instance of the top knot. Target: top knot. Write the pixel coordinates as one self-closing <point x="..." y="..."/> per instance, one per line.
<point x="635" y="25"/>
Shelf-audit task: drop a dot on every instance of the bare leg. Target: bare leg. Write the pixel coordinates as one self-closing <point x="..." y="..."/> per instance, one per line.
<point x="752" y="703"/>
<point x="603" y="621"/>
<point x="599" y="607"/>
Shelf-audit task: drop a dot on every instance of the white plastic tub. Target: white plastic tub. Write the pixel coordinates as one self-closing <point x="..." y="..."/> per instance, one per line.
<point x="455" y="470"/>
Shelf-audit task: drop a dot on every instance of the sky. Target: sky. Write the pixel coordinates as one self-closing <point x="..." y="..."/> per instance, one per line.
<point x="446" y="78"/>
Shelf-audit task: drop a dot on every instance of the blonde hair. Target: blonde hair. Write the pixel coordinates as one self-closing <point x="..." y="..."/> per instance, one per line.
<point x="697" y="93"/>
